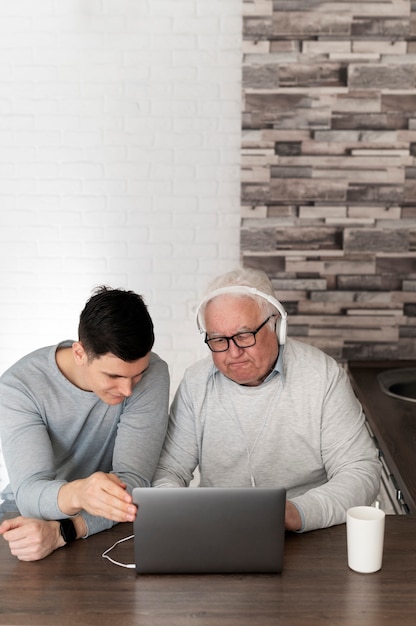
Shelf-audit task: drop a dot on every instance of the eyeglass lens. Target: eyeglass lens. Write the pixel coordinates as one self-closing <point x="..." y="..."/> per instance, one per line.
<point x="241" y="340"/>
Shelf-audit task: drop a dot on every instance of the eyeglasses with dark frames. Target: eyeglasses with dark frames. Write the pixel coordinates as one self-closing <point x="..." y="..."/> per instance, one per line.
<point x="245" y="339"/>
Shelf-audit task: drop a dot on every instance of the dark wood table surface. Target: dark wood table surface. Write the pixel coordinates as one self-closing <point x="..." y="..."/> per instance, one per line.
<point x="76" y="586"/>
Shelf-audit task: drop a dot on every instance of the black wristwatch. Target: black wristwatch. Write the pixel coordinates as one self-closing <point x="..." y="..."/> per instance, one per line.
<point x="68" y="531"/>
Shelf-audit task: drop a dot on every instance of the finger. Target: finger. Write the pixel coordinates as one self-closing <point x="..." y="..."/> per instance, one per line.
<point x="3" y="527"/>
<point x="10" y="524"/>
<point x="116" y="479"/>
<point x="118" y="512"/>
<point x="18" y="543"/>
<point x="26" y="550"/>
<point x="117" y="490"/>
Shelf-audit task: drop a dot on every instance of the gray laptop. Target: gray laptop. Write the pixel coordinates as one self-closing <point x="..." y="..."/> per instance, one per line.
<point x="209" y="530"/>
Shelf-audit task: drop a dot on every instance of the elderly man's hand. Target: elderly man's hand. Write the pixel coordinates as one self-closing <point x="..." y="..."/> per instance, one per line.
<point x="293" y="520"/>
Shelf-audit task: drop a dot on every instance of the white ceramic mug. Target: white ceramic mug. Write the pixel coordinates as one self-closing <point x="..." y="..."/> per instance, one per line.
<point x="365" y="538"/>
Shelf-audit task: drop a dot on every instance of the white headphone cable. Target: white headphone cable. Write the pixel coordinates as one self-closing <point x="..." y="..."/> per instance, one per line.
<point x="105" y="553"/>
<point x="236" y="420"/>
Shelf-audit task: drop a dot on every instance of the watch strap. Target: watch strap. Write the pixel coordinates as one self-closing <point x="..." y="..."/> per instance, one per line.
<point x="68" y="531"/>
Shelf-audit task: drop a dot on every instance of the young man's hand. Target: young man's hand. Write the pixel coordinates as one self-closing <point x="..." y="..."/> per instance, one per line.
<point x="31" y="539"/>
<point x="100" y="494"/>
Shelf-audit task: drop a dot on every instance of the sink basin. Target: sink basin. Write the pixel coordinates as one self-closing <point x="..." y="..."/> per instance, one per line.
<point x="399" y="383"/>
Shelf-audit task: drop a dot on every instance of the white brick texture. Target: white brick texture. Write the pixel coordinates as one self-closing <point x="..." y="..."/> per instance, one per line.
<point x="119" y="163"/>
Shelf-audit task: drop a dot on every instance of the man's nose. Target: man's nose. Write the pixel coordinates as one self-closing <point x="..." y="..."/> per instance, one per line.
<point x="233" y="348"/>
<point x="126" y="387"/>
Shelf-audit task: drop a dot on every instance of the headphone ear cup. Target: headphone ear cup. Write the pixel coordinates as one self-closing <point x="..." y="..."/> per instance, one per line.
<point x="281" y="329"/>
<point x="281" y="325"/>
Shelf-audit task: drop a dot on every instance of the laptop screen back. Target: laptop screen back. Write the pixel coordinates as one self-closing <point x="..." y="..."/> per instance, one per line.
<point x="209" y="530"/>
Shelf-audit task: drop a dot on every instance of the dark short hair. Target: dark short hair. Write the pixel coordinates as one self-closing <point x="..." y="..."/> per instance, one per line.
<point x="116" y="321"/>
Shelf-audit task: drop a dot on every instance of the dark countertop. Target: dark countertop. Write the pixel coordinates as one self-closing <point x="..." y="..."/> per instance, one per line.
<point x="392" y="420"/>
<point x="76" y="586"/>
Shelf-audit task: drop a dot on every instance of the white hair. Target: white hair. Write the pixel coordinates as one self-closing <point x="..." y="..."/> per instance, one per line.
<point x="240" y="277"/>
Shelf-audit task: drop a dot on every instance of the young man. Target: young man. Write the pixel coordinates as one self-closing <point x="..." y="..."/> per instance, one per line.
<point x="81" y="424"/>
<point x="266" y="411"/>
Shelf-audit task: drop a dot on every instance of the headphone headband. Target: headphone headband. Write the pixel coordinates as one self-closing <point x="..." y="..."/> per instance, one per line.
<point x="244" y="290"/>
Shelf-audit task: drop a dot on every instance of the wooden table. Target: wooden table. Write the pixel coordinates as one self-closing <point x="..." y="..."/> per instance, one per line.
<point x="75" y="586"/>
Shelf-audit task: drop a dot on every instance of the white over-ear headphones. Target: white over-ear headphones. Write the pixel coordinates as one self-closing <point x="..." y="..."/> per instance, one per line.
<point x="242" y="289"/>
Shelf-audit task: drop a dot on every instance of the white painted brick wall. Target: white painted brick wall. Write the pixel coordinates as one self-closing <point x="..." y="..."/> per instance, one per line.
<point x="119" y="162"/>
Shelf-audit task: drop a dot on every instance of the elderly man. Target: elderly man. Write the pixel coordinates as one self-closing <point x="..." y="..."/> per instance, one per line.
<point x="265" y="411"/>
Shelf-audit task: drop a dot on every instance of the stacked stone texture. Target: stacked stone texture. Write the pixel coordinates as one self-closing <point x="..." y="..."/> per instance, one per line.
<point x="329" y="169"/>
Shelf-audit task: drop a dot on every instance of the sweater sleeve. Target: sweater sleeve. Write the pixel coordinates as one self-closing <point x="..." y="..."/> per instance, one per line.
<point x="142" y="429"/>
<point x="349" y="457"/>
<point x="28" y="454"/>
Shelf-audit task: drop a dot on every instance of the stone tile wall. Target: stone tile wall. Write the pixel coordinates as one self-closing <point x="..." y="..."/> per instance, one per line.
<point x="329" y="169"/>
